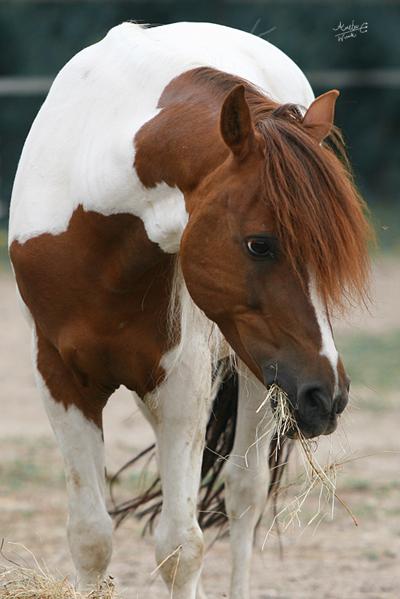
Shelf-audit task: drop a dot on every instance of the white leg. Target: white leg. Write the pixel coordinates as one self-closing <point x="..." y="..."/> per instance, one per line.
<point x="181" y="406"/>
<point x="200" y="594"/>
<point x="81" y="443"/>
<point x="246" y="479"/>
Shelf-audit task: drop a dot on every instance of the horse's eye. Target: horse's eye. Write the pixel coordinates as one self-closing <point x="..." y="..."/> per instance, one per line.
<point x="260" y="248"/>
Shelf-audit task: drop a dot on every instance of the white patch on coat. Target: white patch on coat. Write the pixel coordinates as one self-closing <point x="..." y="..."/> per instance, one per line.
<point x="80" y="148"/>
<point x="328" y="348"/>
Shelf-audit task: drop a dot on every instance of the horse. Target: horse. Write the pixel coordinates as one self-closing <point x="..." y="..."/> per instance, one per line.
<point x="179" y="204"/>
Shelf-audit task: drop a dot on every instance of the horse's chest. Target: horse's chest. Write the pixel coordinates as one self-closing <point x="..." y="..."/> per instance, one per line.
<point x="119" y="352"/>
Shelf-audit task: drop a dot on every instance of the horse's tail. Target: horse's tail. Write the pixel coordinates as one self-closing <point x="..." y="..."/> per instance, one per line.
<point x="220" y="434"/>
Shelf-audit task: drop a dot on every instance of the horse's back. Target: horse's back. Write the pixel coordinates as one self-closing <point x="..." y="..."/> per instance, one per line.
<point x="239" y="53"/>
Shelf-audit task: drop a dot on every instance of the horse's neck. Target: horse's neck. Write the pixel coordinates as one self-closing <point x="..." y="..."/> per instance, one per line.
<point x="181" y="144"/>
<point x="175" y="151"/>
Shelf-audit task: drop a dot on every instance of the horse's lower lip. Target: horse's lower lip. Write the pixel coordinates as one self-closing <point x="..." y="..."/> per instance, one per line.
<point x="331" y="427"/>
<point x="310" y="433"/>
<point x="295" y="434"/>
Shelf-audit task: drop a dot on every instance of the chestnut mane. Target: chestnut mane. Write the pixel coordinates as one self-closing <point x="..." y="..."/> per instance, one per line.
<point x="320" y="218"/>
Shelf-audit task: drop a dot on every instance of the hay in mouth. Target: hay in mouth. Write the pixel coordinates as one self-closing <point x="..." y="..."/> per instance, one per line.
<point x="314" y="476"/>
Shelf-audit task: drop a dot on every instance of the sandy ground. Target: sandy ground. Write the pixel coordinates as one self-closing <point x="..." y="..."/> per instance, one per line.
<point x="334" y="560"/>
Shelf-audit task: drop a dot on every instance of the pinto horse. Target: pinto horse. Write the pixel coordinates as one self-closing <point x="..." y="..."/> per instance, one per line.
<point x="175" y="203"/>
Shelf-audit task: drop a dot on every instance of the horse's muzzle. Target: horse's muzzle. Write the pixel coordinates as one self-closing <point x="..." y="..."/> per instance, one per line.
<point x="312" y="406"/>
<point x="316" y="412"/>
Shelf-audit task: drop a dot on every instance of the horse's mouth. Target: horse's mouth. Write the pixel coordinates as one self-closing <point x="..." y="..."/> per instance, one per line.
<point x="288" y="419"/>
<point x="299" y="429"/>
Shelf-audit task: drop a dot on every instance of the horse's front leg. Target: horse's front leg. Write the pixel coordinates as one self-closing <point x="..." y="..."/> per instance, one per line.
<point x="80" y="439"/>
<point x="181" y="412"/>
<point x="246" y="479"/>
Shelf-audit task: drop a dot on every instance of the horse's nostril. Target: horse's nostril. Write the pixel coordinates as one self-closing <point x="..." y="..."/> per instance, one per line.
<point x="313" y="399"/>
<point x="314" y="409"/>
<point x="313" y="403"/>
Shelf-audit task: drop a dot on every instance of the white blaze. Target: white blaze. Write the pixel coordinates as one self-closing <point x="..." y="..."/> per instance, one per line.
<point x="328" y="348"/>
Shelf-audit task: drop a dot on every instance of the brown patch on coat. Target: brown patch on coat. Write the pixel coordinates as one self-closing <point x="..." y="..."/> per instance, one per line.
<point x="188" y="126"/>
<point x="99" y="295"/>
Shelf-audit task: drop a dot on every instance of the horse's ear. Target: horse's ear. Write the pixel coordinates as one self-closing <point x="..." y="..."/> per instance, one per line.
<point x="319" y="117"/>
<point x="235" y="122"/>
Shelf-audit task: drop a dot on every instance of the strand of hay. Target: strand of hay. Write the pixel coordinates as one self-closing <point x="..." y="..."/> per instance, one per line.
<point x="315" y="475"/>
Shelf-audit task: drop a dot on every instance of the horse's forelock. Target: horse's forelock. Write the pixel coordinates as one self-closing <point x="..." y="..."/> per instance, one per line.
<point x="320" y="218"/>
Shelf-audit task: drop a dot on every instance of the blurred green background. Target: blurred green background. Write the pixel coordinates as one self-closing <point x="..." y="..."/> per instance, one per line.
<point x="37" y="37"/>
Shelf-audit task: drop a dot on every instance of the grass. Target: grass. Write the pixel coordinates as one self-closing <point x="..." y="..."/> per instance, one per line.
<point x="18" y="473"/>
<point x="372" y="360"/>
<point x="357" y="484"/>
<point x="376" y="489"/>
<point x="30" y="462"/>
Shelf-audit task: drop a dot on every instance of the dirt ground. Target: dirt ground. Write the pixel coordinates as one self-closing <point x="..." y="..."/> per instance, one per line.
<point x="334" y="560"/>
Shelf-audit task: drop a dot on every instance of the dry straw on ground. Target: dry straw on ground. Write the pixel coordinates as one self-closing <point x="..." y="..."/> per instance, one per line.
<point x="19" y="582"/>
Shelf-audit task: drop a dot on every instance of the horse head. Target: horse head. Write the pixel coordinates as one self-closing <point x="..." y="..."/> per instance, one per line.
<point x="278" y="239"/>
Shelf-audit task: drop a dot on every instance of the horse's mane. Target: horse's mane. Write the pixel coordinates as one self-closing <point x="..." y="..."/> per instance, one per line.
<point x="320" y="218"/>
